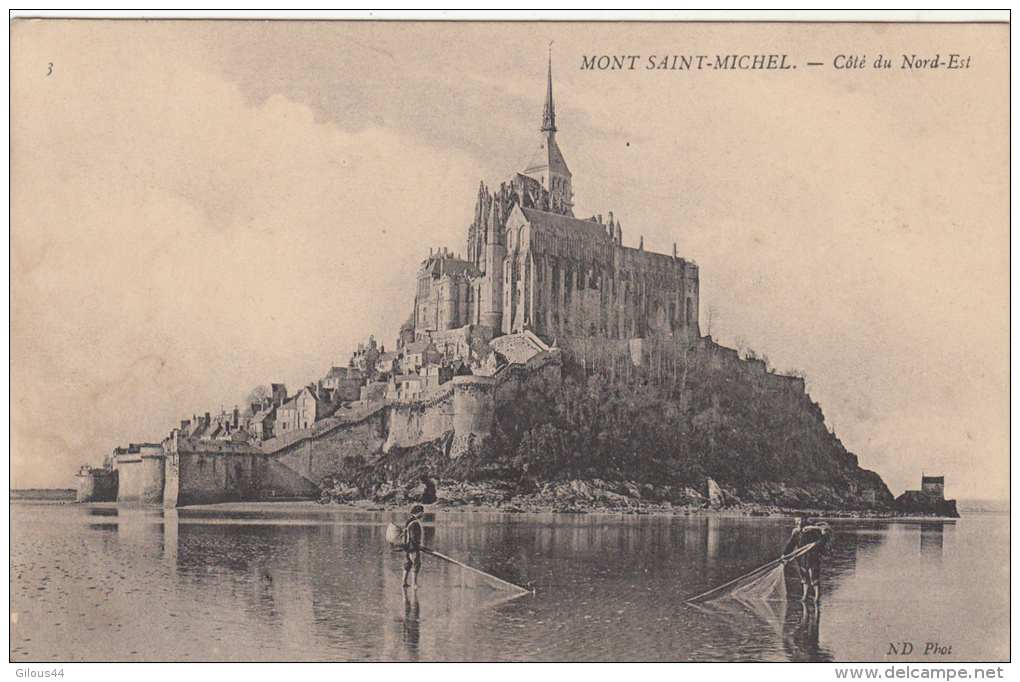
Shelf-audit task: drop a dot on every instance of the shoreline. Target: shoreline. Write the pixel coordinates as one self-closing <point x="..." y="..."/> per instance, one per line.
<point x="747" y="511"/>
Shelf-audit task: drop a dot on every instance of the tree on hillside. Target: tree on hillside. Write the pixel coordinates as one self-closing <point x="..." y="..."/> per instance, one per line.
<point x="258" y="394"/>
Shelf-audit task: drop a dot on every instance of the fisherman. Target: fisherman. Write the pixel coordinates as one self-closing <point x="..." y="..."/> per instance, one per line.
<point x="809" y="564"/>
<point x="413" y="534"/>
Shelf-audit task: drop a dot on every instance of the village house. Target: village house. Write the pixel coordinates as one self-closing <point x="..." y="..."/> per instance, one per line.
<point x="262" y="422"/>
<point x="373" y="391"/>
<point x="344" y="382"/>
<point x="388" y="363"/>
<point x="300" y="412"/>
<point x="404" y="387"/>
<point x="419" y="354"/>
<point x="435" y="375"/>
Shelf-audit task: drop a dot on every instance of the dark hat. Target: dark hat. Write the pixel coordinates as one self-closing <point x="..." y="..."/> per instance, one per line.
<point x="417" y="509"/>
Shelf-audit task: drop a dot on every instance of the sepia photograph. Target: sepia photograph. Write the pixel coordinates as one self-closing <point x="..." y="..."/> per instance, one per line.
<point x="510" y="341"/>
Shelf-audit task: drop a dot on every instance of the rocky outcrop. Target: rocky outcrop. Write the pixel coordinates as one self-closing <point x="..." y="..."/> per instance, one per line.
<point x="918" y="503"/>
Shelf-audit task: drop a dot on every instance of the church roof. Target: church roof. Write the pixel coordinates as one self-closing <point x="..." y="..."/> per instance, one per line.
<point x="450" y="266"/>
<point x="548" y="156"/>
<point x="587" y="228"/>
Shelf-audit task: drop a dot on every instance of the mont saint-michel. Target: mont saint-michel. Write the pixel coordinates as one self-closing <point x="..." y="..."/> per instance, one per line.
<point x="415" y="341"/>
<point x="549" y="364"/>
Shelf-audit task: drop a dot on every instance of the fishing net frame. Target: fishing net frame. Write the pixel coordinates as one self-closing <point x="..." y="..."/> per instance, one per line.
<point x="765" y="583"/>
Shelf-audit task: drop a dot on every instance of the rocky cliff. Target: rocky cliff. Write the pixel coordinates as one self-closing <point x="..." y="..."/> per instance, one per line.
<point x="699" y="427"/>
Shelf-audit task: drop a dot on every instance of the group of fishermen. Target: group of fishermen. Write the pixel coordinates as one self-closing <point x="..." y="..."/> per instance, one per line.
<point x="808" y="564"/>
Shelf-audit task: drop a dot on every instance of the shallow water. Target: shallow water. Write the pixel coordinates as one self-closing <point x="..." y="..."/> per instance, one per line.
<point x="102" y="583"/>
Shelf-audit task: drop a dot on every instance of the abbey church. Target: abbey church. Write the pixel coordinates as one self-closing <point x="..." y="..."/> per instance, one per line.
<point x="531" y="265"/>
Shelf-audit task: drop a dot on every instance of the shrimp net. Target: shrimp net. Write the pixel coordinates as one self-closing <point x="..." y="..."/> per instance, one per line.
<point x="769" y="587"/>
<point x="765" y="583"/>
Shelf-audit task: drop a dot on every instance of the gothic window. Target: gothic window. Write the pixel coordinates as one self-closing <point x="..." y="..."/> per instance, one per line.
<point x="690" y="311"/>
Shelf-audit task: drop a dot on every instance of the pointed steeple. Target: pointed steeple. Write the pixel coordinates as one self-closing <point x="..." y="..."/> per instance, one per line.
<point x="547" y="165"/>
<point x="549" y="115"/>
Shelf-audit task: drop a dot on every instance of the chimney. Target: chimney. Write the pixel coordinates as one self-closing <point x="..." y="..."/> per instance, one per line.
<point x="674" y="250"/>
<point x="641" y="243"/>
<point x="208" y="419"/>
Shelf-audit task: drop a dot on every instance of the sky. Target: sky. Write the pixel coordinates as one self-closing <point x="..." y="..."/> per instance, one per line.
<point x="199" y="208"/>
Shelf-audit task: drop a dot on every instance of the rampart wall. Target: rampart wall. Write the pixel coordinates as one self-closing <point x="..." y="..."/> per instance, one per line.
<point x="419" y="421"/>
<point x="140" y="476"/>
<point x="322" y="450"/>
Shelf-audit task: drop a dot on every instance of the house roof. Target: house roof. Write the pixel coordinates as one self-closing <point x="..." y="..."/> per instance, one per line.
<point x="419" y="346"/>
<point x="337" y="373"/>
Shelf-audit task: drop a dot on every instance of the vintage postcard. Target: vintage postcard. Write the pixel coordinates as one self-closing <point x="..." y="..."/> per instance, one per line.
<point x="510" y="341"/>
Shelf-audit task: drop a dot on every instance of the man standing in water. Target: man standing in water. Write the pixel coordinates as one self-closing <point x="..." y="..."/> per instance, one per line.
<point x="809" y="564"/>
<point x="413" y="534"/>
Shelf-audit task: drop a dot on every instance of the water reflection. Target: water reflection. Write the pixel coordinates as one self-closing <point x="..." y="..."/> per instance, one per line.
<point x="931" y="541"/>
<point x="308" y="583"/>
<point x="800" y="633"/>
<point x="410" y="632"/>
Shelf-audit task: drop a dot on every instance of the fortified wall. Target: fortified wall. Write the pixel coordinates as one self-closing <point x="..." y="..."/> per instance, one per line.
<point x="464" y="406"/>
<point x="210" y="472"/>
<point x="316" y="452"/>
<point x="140" y="473"/>
<point x="661" y="352"/>
<point x="96" y="485"/>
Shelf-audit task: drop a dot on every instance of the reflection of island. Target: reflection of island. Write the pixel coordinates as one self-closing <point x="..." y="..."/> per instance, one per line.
<point x="931" y="541"/>
<point x="800" y="633"/>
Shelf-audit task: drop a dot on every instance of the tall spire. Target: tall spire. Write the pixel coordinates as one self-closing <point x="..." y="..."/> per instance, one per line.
<point x="549" y="115"/>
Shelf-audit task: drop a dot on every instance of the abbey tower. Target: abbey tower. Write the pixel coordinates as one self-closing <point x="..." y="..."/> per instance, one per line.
<point x="530" y="265"/>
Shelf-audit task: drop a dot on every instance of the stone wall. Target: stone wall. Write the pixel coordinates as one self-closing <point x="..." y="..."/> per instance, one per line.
<point x="140" y="475"/>
<point x="211" y="478"/>
<point x="473" y="412"/>
<point x="321" y="452"/>
<point x="208" y="472"/>
<point x="418" y="421"/>
<point x="511" y="377"/>
<point x="96" y="485"/>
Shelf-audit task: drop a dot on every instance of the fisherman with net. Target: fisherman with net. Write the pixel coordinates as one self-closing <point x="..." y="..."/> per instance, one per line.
<point x="767" y="583"/>
<point x="412" y="545"/>
<point x="808" y="564"/>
